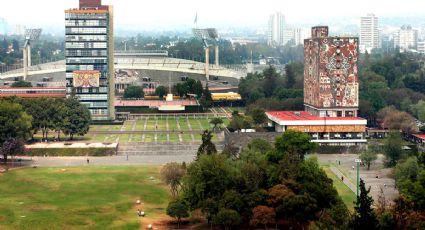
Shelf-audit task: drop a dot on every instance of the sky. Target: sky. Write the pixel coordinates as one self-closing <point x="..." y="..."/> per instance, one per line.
<point x="170" y="14"/>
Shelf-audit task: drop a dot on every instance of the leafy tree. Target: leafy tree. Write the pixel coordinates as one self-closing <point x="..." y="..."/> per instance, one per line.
<point x="14" y="122"/>
<point x="406" y="170"/>
<point x="197" y="88"/>
<point x="296" y="141"/>
<point x="216" y="121"/>
<point x="172" y="174"/>
<point x="364" y="216"/>
<point x="161" y="91"/>
<point x="262" y="215"/>
<point x="392" y="149"/>
<point x="270" y="80"/>
<point x="228" y="218"/>
<point x="290" y="76"/>
<point x="259" y="116"/>
<point x="396" y="120"/>
<point x="11" y="147"/>
<point x="207" y="147"/>
<point x="133" y="92"/>
<point x="77" y="118"/>
<point x="178" y="209"/>
<point x="368" y="157"/>
<point x="260" y="145"/>
<point x="21" y="84"/>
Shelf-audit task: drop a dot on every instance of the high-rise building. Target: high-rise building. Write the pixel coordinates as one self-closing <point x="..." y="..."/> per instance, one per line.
<point x="3" y="26"/>
<point x="331" y="87"/>
<point x="300" y="35"/>
<point x="369" y="33"/>
<point x="89" y="55"/>
<point x="276" y="29"/>
<point x="406" y="38"/>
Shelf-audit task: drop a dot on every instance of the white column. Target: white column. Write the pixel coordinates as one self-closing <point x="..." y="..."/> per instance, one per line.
<point x="25" y="59"/>
<point x="217" y="57"/>
<point x="207" y="63"/>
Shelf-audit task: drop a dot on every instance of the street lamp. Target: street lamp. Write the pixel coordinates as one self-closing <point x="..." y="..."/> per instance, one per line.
<point x="357" y="161"/>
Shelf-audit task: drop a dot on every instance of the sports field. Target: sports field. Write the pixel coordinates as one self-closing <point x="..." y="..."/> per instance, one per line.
<point x="91" y="197"/>
<point x="160" y="129"/>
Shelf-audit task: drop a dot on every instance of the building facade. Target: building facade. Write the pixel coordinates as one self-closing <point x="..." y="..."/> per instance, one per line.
<point x="276" y="29"/>
<point x="406" y="38"/>
<point x="331" y="87"/>
<point x="369" y="33"/>
<point x="89" y="53"/>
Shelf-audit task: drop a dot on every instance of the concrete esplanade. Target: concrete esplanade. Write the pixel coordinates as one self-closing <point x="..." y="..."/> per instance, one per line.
<point x="133" y="62"/>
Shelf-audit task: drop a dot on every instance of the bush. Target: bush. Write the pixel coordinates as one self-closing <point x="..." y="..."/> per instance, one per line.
<point x="71" y="152"/>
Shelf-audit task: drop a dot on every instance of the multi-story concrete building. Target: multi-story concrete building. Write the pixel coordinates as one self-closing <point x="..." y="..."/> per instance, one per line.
<point x="421" y="47"/>
<point x="89" y="55"/>
<point x="330" y="74"/>
<point x="331" y="96"/>
<point x="369" y="33"/>
<point x="406" y="38"/>
<point x="276" y="29"/>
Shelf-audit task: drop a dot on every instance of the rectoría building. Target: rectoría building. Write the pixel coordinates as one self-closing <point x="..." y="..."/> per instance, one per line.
<point x="89" y="53"/>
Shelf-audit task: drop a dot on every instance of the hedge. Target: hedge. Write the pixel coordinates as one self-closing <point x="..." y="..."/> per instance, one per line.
<point x="71" y="152"/>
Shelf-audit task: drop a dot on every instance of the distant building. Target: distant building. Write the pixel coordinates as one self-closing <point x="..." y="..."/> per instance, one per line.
<point x="369" y="33"/>
<point x="300" y="34"/>
<point x="276" y="29"/>
<point x="34" y="92"/>
<point x="3" y="26"/>
<point x="89" y="52"/>
<point x="406" y="38"/>
<point x="288" y="36"/>
<point x="421" y="47"/>
<point x="331" y="87"/>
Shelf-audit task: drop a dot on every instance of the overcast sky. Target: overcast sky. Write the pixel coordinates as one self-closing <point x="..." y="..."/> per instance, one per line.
<point x="169" y="14"/>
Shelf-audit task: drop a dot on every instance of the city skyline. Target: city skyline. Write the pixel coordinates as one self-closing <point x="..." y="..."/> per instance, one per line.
<point x="154" y="16"/>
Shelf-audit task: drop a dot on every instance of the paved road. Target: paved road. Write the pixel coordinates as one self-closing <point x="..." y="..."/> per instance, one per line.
<point x="113" y="160"/>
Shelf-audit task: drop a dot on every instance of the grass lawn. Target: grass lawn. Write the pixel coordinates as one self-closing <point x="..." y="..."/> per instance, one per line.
<point x="174" y="138"/>
<point x="149" y="138"/>
<point x="172" y="124"/>
<point x="344" y="192"/>
<point x="162" y="137"/>
<point x="140" y="125"/>
<point x="183" y="124"/>
<point x="124" y="138"/>
<point x="80" y="198"/>
<point x="151" y="124"/>
<point x="100" y="138"/>
<point x="187" y="137"/>
<point x="195" y="124"/>
<point x="137" y="138"/>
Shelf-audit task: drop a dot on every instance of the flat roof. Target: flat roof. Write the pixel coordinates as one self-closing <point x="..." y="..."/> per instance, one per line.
<point x="420" y="135"/>
<point x="306" y="116"/>
<point x="154" y="103"/>
<point x="298" y="118"/>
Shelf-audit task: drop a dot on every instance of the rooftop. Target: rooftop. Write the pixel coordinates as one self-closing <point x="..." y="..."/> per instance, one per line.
<point x="155" y="103"/>
<point x="306" y="116"/>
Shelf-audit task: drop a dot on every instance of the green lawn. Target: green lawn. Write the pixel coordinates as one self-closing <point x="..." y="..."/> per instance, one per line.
<point x="195" y="124"/>
<point x="80" y="198"/>
<point x="344" y="192"/>
<point x="140" y="125"/>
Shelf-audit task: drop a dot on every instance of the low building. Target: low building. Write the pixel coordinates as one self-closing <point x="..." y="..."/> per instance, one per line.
<point x="338" y="131"/>
<point x="33" y="92"/>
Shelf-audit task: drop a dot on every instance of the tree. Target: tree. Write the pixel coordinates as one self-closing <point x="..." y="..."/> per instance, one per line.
<point x="228" y="218"/>
<point x="368" y="157"/>
<point x="14" y="122"/>
<point x="296" y="141"/>
<point x="172" y="174"/>
<point x="364" y="216"/>
<point x="197" y="88"/>
<point x="216" y="121"/>
<point x="178" y="209"/>
<point x="206" y="99"/>
<point x="133" y="92"/>
<point x="207" y="147"/>
<point x="161" y="91"/>
<point x="290" y="76"/>
<point x="22" y="84"/>
<point x="77" y="118"/>
<point x="258" y="115"/>
<point x="262" y="215"/>
<point x="11" y="147"/>
<point x="392" y="148"/>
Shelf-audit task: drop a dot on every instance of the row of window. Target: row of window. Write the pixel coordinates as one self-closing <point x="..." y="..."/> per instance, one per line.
<point x="85" y="30"/>
<point x="99" y="111"/>
<point x="96" y="104"/>
<point x="32" y="91"/>
<point x="85" y="23"/>
<point x="86" y="45"/>
<point x="92" y="97"/>
<point x="86" y="60"/>
<point x="86" y="53"/>
<point x="86" y="67"/>
<point x="71" y="16"/>
<point x="82" y="38"/>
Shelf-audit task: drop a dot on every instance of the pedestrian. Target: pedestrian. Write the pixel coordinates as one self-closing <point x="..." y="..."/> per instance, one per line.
<point x="342" y="178"/>
<point x="352" y="167"/>
<point x="88" y="161"/>
<point x="339" y="162"/>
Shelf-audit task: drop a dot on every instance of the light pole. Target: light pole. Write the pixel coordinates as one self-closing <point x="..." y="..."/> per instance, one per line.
<point x="358" y="161"/>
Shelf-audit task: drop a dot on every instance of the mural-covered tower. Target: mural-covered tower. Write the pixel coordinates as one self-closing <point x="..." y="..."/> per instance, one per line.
<point x="331" y="87"/>
<point x="89" y="53"/>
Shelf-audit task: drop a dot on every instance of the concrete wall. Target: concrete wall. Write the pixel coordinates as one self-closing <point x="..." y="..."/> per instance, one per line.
<point x="241" y="140"/>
